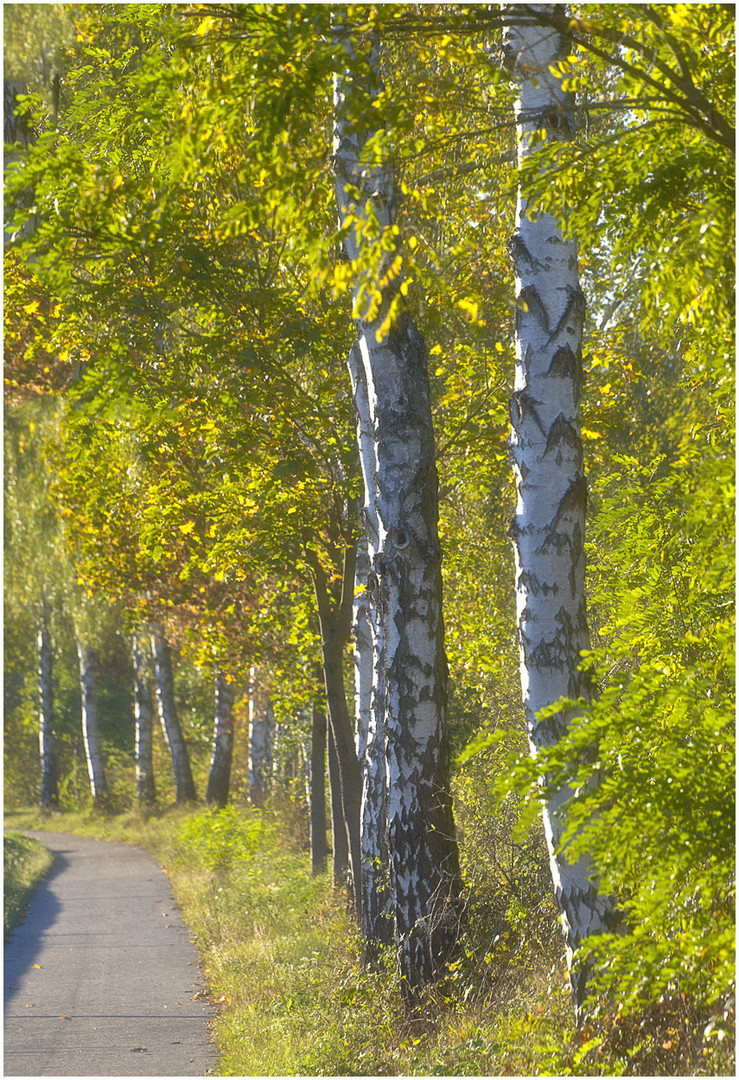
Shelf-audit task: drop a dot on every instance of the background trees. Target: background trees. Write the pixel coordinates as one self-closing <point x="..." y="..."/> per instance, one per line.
<point x="187" y="271"/>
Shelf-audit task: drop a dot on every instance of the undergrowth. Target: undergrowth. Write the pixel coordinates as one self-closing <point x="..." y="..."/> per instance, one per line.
<point x="283" y="963"/>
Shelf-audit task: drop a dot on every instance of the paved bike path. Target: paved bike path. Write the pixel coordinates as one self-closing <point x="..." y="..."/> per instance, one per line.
<point x="101" y="978"/>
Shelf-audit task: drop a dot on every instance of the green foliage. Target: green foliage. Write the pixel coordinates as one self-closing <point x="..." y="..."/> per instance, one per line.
<point x="25" y="864"/>
<point x="283" y="964"/>
<point x="184" y="275"/>
<point x="221" y="840"/>
<point x="651" y="760"/>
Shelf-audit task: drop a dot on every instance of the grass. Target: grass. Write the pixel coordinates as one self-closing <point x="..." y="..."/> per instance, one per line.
<point x="26" y="863"/>
<point x="282" y="960"/>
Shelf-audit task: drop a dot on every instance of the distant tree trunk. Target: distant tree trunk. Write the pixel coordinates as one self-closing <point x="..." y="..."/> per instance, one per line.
<point x="164" y="678"/>
<point x="145" y="788"/>
<point x="407" y="557"/>
<point x="261" y="730"/>
<point x="223" y="736"/>
<point x="548" y="529"/>
<point x="339" y="841"/>
<point x="335" y="615"/>
<point x="318" y="851"/>
<point x="49" y="798"/>
<point x="90" y="728"/>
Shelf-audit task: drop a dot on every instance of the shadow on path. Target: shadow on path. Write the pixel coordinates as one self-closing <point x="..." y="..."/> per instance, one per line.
<point x="23" y="948"/>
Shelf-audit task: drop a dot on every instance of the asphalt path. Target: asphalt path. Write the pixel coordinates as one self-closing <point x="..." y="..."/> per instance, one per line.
<point x="101" y="978"/>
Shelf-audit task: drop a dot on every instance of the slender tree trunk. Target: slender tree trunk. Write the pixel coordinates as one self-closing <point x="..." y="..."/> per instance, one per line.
<point x="145" y="788"/>
<point x="407" y="555"/>
<point x="369" y="677"/>
<point x="335" y="623"/>
<point x="184" y="784"/>
<point x="546" y="449"/>
<point x="90" y="728"/>
<point x="261" y="729"/>
<point x="49" y="798"/>
<point x="339" y="840"/>
<point x="318" y="850"/>
<point x="223" y="736"/>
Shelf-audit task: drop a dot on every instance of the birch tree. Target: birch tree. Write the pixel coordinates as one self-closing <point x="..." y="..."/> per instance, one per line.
<point x="261" y="725"/>
<point x="406" y="556"/>
<point x="47" y="739"/>
<point x="164" y="679"/>
<point x="219" y="775"/>
<point x="145" y="787"/>
<point x="88" y="665"/>
<point x="369" y="678"/>
<point x="548" y="529"/>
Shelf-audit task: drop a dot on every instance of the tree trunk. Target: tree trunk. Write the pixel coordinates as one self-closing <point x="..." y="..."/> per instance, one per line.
<point x="339" y="840"/>
<point x="335" y="622"/>
<point x="261" y="728"/>
<point x="369" y="677"/>
<point x="407" y="555"/>
<point x="223" y="736"/>
<point x="90" y="730"/>
<point x="184" y="784"/>
<point x="49" y="798"/>
<point x="318" y="850"/>
<point x="546" y="449"/>
<point x="145" y="788"/>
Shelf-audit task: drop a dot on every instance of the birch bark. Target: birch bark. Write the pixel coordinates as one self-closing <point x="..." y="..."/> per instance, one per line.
<point x="548" y="528"/>
<point x="90" y="727"/>
<point x="49" y="798"/>
<point x="145" y="788"/>
<point x="407" y="557"/>
<point x="377" y="908"/>
<point x="219" y="776"/>
<point x="184" y="784"/>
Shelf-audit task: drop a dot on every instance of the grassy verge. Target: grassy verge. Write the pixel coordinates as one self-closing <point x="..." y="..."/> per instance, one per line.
<point x="26" y="863"/>
<point x="283" y="964"/>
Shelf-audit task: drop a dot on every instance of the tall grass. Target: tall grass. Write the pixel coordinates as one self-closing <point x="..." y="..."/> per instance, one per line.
<point x="282" y="960"/>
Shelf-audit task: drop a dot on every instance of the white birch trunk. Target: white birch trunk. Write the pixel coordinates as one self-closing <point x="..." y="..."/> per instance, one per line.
<point x="219" y="776"/>
<point x="145" y="788"/>
<point x="406" y="559"/>
<point x="377" y="906"/>
<point x="164" y="678"/>
<point x="261" y="730"/>
<point x="49" y="798"/>
<point x="546" y="449"/>
<point x="90" y="727"/>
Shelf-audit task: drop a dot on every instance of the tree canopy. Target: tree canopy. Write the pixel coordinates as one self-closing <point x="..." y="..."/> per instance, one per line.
<point x="178" y="295"/>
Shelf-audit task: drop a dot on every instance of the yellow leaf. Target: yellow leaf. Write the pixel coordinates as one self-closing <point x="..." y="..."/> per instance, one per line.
<point x="207" y="24"/>
<point x="470" y="307"/>
<point x="187" y="527"/>
<point x="117" y="182"/>
<point x="32" y="308"/>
